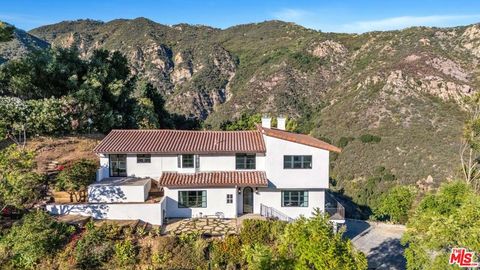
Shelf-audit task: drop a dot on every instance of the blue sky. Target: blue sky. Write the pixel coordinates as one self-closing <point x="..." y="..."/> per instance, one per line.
<point x="352" y="16"/>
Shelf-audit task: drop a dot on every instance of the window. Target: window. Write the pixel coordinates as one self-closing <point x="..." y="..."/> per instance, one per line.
<point x="245" y="161"/>
<point x="144" y="158"/>
<point x="229" y="198"/>
<point x="192" y="199"/>
<point x="297" y="162"/>
<point x="186" y="161"/>
<point x="295" y="198"/>
<point x="118" y="165"/>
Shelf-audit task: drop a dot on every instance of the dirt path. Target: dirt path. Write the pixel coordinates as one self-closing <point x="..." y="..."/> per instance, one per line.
<point x="379" y="241"/>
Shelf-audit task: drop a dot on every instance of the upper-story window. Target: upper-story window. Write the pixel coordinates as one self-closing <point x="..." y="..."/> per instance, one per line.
<point x="188" y="161"/>
<point x="144" y="158"/>
<point x="245" y="161"/>
<point x="297" y="162"/>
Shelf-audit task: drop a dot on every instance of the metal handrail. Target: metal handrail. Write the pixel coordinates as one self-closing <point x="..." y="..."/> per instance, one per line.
<point x="270" y="212"/>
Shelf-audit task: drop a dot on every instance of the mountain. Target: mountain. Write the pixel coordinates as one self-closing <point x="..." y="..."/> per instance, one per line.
<point x="21" y="44"/>
<point x="405" y="89"/>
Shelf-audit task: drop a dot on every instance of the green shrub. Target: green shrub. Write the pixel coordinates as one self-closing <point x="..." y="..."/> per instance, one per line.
<point x="50" y="116"/>
<point x="245" y="122"/>
<point x="76" y="176"/>
<point x="93" y="248"/>
<point x="312" y="244"/>
<point x="226" y="253"/>
<point x="258" y="257"/>
<point x="448" y="218"/>
<point x="369" y="138"/>
<point x="125" y="253"/>
<point x="261" y="231"/>
<point x="33" y="238"/>
<point x="395" y="204"/>
<point x="344" y="141"/>
<point x="383" y="173"/>
<point x="20" y="185"/>
<point x="175" y="253"/>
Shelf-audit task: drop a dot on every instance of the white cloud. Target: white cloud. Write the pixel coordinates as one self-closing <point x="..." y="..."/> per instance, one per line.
<point x="407" y="21"/>
<point x="291" y="15"/>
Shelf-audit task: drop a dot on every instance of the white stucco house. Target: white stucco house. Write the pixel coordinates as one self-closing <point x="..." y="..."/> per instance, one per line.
<point x="267" y="171"/>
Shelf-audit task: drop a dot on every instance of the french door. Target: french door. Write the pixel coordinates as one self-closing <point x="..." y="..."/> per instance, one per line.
<point x="118" y="165"/>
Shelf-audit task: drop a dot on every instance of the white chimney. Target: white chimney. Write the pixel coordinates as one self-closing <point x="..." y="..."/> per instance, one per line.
<point x="281" y="122"/>
<point x="266" y="122"/>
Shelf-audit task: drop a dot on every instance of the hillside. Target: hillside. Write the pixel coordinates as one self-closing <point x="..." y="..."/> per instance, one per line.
<point x="406" y="87"/>
<point x="21" y="44"/>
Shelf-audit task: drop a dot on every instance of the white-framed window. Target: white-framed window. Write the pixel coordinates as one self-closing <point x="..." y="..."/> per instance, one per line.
<point x="294" y="198"/>
<point x="229" y="198"/>
<point x="144" y="158"/>
<point x="188" y="161"/>
<point x="192" y="199"/>
<point x="297" y="162"/>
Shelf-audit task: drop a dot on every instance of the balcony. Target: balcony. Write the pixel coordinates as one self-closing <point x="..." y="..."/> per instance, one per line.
<point x="335" y="210"/>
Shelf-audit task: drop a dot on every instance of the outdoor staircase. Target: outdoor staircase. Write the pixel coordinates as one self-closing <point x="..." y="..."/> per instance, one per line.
<point x="272" y="213"/>
<point x="156" y="192"/>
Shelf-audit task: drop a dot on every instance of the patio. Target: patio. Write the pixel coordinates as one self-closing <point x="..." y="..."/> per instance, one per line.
<point x="206" y="226"/>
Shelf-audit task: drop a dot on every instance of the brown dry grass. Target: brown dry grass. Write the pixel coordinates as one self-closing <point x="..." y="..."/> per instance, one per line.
<point x="63" y="149"/>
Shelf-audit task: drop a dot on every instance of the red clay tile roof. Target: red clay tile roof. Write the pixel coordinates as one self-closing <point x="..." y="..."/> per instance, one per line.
<point x="214" y="179"/>
<point x="298" y="138"/>
<point x="181" y="141"/>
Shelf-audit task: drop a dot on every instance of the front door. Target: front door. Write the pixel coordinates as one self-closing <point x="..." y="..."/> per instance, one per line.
<point x="247" y="200"/>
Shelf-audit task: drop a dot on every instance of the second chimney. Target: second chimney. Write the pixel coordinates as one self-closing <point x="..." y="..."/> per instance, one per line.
<point x="281" y="122"/>
<point x="266" y="122"/>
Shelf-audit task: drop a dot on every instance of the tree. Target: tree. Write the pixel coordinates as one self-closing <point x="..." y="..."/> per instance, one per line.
<point x="245" y="122"/>
<point x="395" y="204"/>
<point x="470" y="149"/>
<point x="312" y="244"/>
<point x="42" y="74"/>
<point x="449" y="218"/>
<point x="76" y="177"/>
<point x="6" y="32"/>
<point x="20" y="186"/>
<point x="36" y="236"/>
<point x="146" y="90"/>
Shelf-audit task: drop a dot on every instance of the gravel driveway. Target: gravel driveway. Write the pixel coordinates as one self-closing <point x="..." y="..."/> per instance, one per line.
<point x="379" y="241"/>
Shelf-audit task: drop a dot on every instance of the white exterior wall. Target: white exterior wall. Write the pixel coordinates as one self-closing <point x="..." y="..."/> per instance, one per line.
<point x="314" y="180"/>
<point x="210" y="163"/>
<point x="273" y="198"/>
<point x="316" y="177"/>
<point x="168" y="163"/>
<point x="103" y="171"/>
<point x="147" y="212"/>
<point x="216" y="202"/>
<point x="154" y="169"/>
<point x="118" y="193"/>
